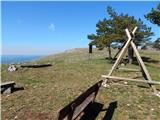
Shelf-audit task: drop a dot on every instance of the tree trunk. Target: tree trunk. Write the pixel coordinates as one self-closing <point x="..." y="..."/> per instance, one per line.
<point x="130" y="54"/>
<point x="109" y="52"/>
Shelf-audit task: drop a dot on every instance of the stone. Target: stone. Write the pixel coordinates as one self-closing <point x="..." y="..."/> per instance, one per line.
<point x="12" y="68"/>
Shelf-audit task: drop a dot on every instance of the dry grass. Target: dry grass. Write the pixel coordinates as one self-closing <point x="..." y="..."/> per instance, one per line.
<point x="46" y="90"/>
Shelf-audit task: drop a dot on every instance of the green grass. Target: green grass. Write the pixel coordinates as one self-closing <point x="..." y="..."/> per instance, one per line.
<point x="47" y="90"/>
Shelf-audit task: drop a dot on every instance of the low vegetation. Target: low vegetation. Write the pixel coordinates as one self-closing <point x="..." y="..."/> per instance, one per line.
<point x="47" y="90"/>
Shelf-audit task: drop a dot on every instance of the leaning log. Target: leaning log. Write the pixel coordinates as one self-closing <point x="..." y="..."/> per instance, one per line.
<point x="36" y="65"/>
<point x="76" y="107"/>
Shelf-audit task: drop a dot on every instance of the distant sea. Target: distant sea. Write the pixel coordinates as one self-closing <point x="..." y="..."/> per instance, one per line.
<point x="11" y="59"/>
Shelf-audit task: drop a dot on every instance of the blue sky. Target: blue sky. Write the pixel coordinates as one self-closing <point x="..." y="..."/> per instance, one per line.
<point x="49" y="27"/>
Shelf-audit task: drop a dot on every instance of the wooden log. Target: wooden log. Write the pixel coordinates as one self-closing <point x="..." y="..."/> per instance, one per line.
<point x="7" y="87"/>
<point x="76" y="107"/>
<point x="143" y="67"/>
<point x="37" y="65"/>
<point x="130" y="79"/>
<point x="129" y="69"/>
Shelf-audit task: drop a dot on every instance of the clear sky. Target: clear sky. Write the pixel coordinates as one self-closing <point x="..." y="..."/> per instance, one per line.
<point x="49" y="27"/>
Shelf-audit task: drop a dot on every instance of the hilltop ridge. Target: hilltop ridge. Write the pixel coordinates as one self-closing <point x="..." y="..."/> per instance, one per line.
<point x="47" y="90"/>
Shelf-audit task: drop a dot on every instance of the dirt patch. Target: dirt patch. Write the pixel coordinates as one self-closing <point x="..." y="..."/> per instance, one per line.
<point x="32" y="115"/>
<point x="157" y="64"/>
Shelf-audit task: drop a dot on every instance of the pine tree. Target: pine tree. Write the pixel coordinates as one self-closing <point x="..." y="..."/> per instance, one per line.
<point x="154" y="15"/>
<point x="113" y="30"/>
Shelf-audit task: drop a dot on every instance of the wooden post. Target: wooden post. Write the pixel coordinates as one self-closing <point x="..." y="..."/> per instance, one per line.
<point x="90" y="48"/>
<point x="141" y="63"/>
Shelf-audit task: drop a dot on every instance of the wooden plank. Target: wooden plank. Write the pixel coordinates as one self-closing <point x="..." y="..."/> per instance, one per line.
<point x="37" y="65"/>
<point x="73" y="109"/>
<point x="128" y="69"/>
<point x="130" y="79"/>
<point x="83" y="105"/>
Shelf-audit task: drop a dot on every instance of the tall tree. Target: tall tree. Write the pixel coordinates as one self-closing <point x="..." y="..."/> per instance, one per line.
<point x="154" y="15"/>
<point x="113" y="30"/>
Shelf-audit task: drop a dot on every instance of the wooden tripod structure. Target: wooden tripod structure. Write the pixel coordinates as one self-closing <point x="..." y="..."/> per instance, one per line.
<point x="144" y="70"/>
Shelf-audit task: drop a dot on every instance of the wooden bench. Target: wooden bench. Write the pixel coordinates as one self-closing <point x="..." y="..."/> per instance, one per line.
<point x="7" y="87"/>
<point x="76" y="107"/>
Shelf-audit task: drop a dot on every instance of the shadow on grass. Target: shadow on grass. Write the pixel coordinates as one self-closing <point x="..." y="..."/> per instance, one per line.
<point x="145" y="59"/>
<point x="93" y="109"/>
<point x="146" y="87"/>
<point x="149" y="60"/>
<point x="17" y="89"/>
<point x="110" y="111"/>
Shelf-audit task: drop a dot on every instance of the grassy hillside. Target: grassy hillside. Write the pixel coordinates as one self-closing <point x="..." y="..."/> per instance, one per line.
<point x="47" y="90"/>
